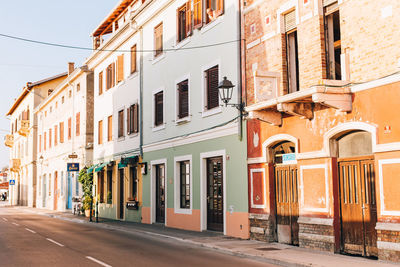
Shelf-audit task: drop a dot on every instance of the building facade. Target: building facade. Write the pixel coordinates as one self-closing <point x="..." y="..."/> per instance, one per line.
<point x="65" y="136"/>
<point x="117" y="170"/>
<point x="323" y="141"/>
<point x="22" y="140"/>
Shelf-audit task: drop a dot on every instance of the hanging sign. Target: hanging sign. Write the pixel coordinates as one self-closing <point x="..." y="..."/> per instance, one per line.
<point x="12" y="182"/>
<point x="73" y="167"/>
<point x="289" y="158"/>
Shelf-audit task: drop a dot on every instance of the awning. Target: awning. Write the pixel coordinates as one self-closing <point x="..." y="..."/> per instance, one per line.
<point x="4" y="185"/>
<point x="90" y="170"/>
<point x="122" y="165"/>
<point x="100" y="167"/>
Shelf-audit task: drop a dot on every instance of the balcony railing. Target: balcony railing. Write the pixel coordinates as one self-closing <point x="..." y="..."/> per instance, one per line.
<point x="15" y="165"/>
<point x="9" y="140"/>
<point x="23" y="128"/>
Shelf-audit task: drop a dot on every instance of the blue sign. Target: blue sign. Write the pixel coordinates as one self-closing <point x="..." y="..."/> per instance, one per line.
<point x="73" y="167"/>
<point x="12" y="182"/>
<point x="289" y="158"/>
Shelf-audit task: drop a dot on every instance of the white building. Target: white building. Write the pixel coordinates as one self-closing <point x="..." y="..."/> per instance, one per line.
<point x="22" y="140"/>
<point x="65" y="135"/>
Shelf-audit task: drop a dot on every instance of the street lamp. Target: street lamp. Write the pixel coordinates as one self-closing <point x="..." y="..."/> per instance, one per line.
<point x="225" y="88"/>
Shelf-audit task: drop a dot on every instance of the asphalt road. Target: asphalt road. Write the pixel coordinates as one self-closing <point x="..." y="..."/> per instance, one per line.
<point x="34" y="240"/>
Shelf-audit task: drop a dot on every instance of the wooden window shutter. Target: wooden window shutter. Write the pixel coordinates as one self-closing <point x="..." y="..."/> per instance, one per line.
<point x="121" y="123"/>
<point x="290" y="21"/>
<point x="212" y="88"/>
<point x="61" y="132"/>
<point x="44" y="141"/>
<point x="158" y="98"/>
<point x="78" y="122"/>
<point x="40" y="143"/>
<point x="100" y="131"/>
<point x="55" y="135"/>
<point x="100" y="83"/>
<point x="128" y="120"/>
<point x="113" y="74"/>
<point x="109" y="132"/>
<point x="49" y="138"/>
<point x="158" y="36"/>
<point x="69" y="128"/>
<point x="188" y="19"/>
<point x="133" y="59"/>
<point x="135" y="118"/>
<point x="197" y="13"/>
<point x="183" y="98"/>
<point x="220" y="8"/>
<point x="120" y="68"/>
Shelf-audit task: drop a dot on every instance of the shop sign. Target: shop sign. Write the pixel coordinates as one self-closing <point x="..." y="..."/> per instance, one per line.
<point x="73" y="167"/>
<point x="12" y="182"/>
<point x="289" y="158"/>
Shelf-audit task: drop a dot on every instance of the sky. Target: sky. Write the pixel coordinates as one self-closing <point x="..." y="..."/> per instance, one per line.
<point x="66" y="22"/>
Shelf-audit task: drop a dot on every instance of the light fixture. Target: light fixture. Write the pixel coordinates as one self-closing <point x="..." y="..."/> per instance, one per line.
<point x="41" y="159"/>
<point x="225" y="89"/>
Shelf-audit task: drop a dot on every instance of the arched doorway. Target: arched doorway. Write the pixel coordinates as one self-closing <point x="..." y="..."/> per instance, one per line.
<point x="286" y="191"/>
<point x="357" y="193"/>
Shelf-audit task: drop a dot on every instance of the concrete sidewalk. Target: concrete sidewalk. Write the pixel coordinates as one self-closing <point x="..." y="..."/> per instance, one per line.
<point x="274" y="253"/>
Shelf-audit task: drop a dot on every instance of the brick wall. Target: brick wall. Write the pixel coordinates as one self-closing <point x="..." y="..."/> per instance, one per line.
<point x="316" y="236"/>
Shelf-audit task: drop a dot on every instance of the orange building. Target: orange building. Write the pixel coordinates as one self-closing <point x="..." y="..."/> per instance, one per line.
<point x="322" y="81"/>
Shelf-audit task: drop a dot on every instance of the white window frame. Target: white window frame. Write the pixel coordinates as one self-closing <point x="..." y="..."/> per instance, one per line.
<point x="177" y="187"/>
<point x="162" y="126"/>
<point x="188" y="117"/>
<point x="153" y="189"/>
<point x="205" y="112"/>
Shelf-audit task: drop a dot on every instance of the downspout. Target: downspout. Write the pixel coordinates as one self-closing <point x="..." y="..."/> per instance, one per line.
<point x="141" y="94"/>
<point x="240" y="83"/>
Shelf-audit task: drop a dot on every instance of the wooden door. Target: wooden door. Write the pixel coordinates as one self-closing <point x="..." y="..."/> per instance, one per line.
<point x="160" y="193"/>
<point x="55" y="190"/>
<point x="215" y="198"/>
<point x="121" y="193"/>
<point x="358" y="206"/>
<point x="287" y="204"/>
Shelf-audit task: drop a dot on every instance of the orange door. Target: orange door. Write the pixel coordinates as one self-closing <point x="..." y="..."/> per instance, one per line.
<point x="55" y="190"/>
<point x="287" y="205"/>
<point x="358" y="206"/>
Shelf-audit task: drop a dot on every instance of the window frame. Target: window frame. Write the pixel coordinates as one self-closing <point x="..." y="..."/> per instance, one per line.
<point x="131" y="119"/>
<point x="100" y="132"/>
<point x="179" y="119"/>
<point x="100" y="82"/>
<point x="160" y="126"/>
<point x="134" y="58"/>
<point x="158" y="52"/>
<point x="110" y="128"/>
<point x="177" y="184"/>
<point x="121" y="120"/>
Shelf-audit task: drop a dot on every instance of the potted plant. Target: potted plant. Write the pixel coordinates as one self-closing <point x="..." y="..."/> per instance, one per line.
<point x="86" y="179"/>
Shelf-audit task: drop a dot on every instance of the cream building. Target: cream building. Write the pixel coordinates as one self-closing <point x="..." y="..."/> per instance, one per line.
<point x="65" y="136"/>
<point x="22" y="140"/>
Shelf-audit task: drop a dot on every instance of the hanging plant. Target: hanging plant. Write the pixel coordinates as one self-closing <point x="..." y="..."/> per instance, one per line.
<point x="86" y="179"/>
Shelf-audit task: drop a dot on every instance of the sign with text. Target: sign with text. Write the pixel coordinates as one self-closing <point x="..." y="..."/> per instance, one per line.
<point x="73" y="167"/>
<point x="289" y="158"/>
<point x="12" y="182"/>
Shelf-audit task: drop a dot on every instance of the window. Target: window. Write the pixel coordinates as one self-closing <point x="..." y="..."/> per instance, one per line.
<point x="120" y="68"/>
<point x="78" y="124"/>
<point x="184" y="175"/>
<point x="100" y="133"/>
<point x="49" y="138"/>
<point x="197" y="13"/>
<point x="40" y="143"/>
<point x="110" y="76"/>
<point x="69" y="128"/>
<point x="61" y="132"/>
<point x="211" y="76"/>
<point x="183" y="99"/>
<point x="55" y="135"/>
<point x="78" y="87"/>
<point x="133" y="184"/>
<point x="109" y="132"/>
<point x="44" y="141"/>
<point x="214" y="9"/>
<point x="132" y="119"/>
<point x="70" y="94"/>
<point x="51" y="110"/>
<point x="109" y="187"/>
<point x="184" y="20"/>
<point x="120" y="123"/>
<point x="133" y="59"/>
<point x="62" y="99"/>
<point x="333" y="42"/>
<point x="100" y="83"/>
<point x="100" y="182"/>
<point x="158" y="39"/>
<point x="292" y="56"/>
<point x="159" y="108"/>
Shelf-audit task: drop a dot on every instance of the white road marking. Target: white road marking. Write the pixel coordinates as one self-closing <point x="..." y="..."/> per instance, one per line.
<point x="33" y="232"/>
<point x="97" y="261"/>
<point x="55" y="242"/>
<point x="16" y="224"/>
<point x="5" y="219"/>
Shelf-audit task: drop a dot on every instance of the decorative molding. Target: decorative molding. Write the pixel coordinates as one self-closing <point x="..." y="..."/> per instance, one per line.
<point x="388" y="226"/>
<point x="316" y="237"/>
<point x="275" y="138"/>
<point x="376" y="83"/>
<point x="381" y="193"/>
<point x="308" y="167"/>
<point x="388" y="245"/>
<point x="259" y="216"/>
<point x="256" y="160"/>
<point x="255" y="206"/>
<point x="254" y="43"/>
<point x="395" y="146"/>
<point x="268" y="36"/>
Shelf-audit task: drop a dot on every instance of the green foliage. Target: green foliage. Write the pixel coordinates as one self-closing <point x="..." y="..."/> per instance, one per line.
<point x="86" y="179"/>
<point x="109" y="198"/>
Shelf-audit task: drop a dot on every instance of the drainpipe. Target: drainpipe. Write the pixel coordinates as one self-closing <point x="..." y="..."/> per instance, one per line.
<point x="240" y="93"/>
<point x="141" y="94"/>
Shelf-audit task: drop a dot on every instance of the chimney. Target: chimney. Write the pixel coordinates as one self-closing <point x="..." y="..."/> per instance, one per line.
<point x="71" y="67"/>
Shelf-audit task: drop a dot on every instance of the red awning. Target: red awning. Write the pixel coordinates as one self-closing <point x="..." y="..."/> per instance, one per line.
<point x="4" y="185"/>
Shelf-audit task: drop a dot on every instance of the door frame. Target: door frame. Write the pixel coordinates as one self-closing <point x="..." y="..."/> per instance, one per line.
<point x="153" y="189"/>
<point x="119" y="193"/>
<point x="203" y="186"/>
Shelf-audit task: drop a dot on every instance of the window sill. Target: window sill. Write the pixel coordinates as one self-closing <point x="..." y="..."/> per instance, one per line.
<point x="133" y="75"/>
<point x="132" y="135"/>
<point x="159" y="128"/>
<point x="211" y="24"/>
<point x="182" y="43"/>
<point x="122" y="138"/>
<point x="158" y="58"/>
<point x="183" y="120"/>
<point x="207" y="113"/>
<point x="183" y="211"/>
